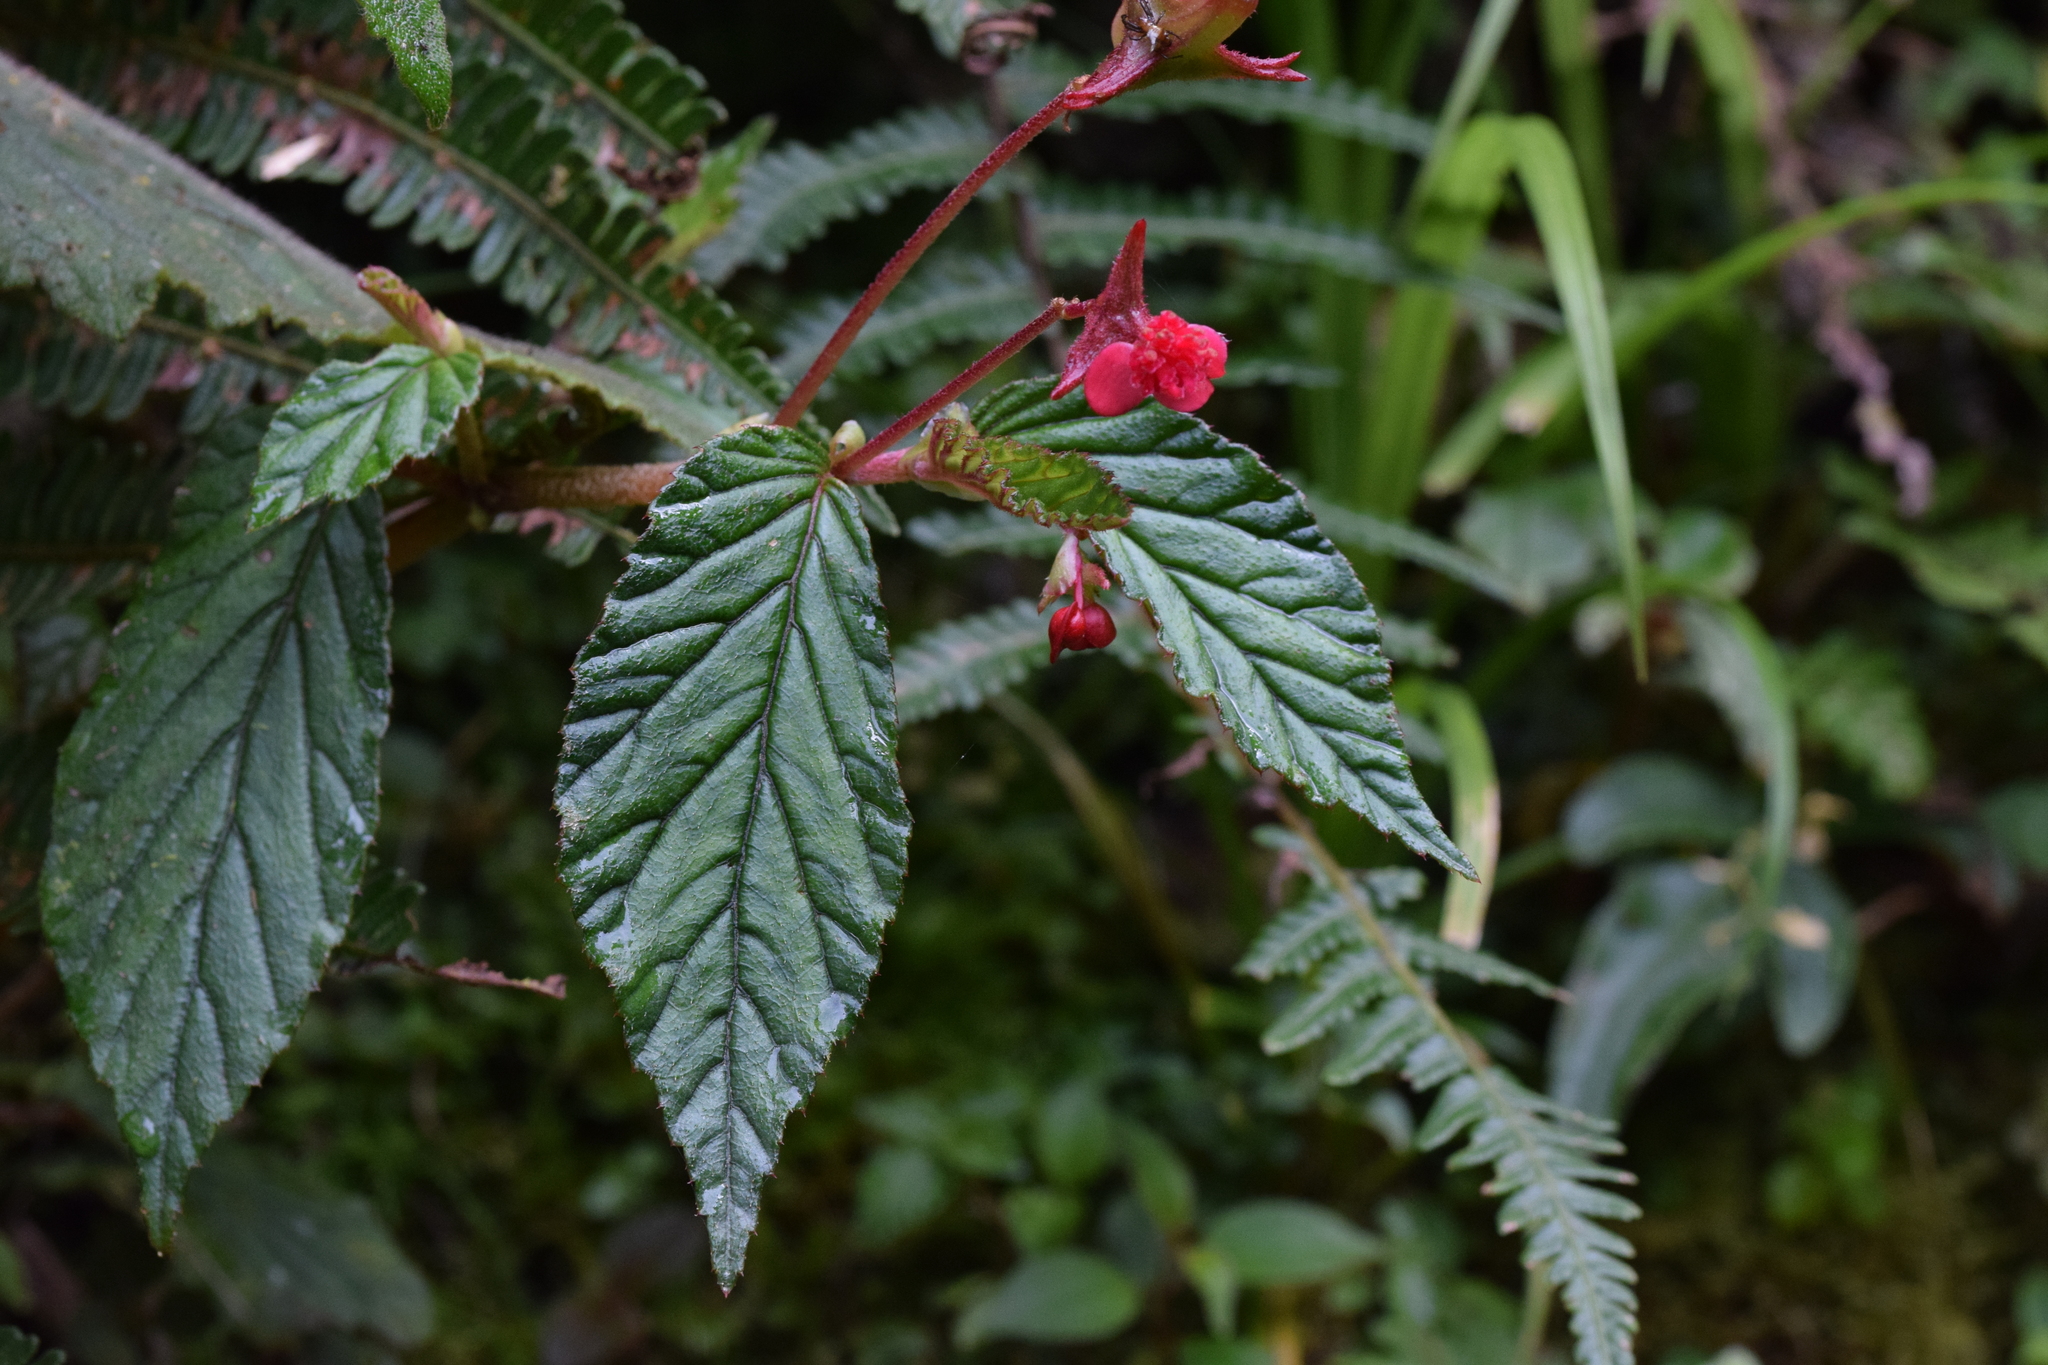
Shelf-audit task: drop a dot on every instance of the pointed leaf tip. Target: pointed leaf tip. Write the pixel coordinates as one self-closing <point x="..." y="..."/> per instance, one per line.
<point x="1117" y="314"/>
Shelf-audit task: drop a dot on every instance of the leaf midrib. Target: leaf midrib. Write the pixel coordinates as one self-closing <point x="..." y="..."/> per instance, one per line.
<point x="281" y="628"/>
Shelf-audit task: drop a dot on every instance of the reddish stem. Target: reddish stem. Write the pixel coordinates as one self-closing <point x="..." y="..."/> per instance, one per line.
<point x="873" y="462"/>
<point x="799" y="400"/>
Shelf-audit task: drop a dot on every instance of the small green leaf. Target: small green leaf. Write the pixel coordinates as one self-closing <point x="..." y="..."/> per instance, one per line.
<point x="351" y="422"/>
<point x="1040" y="1219"/>
<point x="218" y="796"/>
<point x="2017" y="816"/>
<point x="1053" y="488"/>
<point x="1648" y="801"/>
<point x="703" y="213"/>
<point x="1290" y="1242"/>
<point x="417" y="35"/>
<point x="1259" y="610"/>
<point x="733" y="830"/>
<point x="898" y="1190"/>
<point x="1055" y="1297"/>
<point x="1164" y="1184"/>
<point x="19" y="1348"/>
<point x="288" y="1254"/>
<point x="1075" y="1135"/>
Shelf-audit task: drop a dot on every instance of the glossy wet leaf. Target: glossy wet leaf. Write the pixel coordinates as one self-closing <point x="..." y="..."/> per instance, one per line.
<point x="1259" y="610"/>
<point x="215" y="802"/>
<point x="347" y="427"/>
<point x="733" y="831"/>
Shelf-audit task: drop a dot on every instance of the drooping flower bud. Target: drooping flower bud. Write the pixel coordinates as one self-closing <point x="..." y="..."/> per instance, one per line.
<point x="1081" y="625"/>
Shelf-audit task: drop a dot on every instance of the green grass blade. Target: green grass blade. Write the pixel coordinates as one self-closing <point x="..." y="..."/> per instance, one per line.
<point x="1466" y="449"/>
<point x="1488" y="32"/>
<point x="1550" y="183"/>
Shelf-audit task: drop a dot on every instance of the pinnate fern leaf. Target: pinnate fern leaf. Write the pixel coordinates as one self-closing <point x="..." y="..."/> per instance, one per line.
<point x="733" y="830"/>
<point x="80" y="521"/>
<point x="1551" y="1165"/>
<point x="1086" y="226"/>
<point x="505" y="183"/>
<point x="794" y="192"/>
<point x="1257" y="608"/>
<point x="611" y="84"/>
<point x="952" y="298"/>
<point x="961" y="664"/>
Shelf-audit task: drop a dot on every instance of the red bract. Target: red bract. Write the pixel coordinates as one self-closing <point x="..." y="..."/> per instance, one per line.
<point x="1081" y="625"/>
<point x="1175" y="40"/>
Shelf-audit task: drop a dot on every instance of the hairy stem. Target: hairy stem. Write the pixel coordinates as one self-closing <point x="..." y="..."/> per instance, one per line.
<point x="799" y="401"/>
<point x="871" y="463"/>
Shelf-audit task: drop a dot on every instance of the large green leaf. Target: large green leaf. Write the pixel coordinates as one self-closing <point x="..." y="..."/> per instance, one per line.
<point x="1290" y="1242"/>
<point x="351" y="422"/>
<point x="417" y="35"/>
<point x="100" y="217"/>
<point x="215" y="802"/>
<point x="1259" y="610"/>
<point x="733" y="830"/>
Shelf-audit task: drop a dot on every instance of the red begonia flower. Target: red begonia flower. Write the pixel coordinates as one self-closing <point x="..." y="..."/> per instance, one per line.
<point x="1125" y="354"/>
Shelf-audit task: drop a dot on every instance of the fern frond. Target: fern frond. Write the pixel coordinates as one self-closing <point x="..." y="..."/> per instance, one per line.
<point x="951" y="298"/>
<point x="610" y="83"/>
<point x="1079" y="226"/>
<point x="77" y="524"/>
<point x="66" y="366"/>
<point x="1324" y="105"/>
<point x="294" y="93"/>
<point x="961" y="664"/>
<point x="794" y="192"/>
<point x="1551" y="1165"/>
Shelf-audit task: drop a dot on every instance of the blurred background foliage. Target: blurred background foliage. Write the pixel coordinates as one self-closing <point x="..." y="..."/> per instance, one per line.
<point x="1055" y="1133"/>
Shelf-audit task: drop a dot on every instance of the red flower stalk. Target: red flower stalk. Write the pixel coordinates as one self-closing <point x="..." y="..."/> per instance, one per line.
<point x="1156" y="40"/>
<point x="1126" y="354"/>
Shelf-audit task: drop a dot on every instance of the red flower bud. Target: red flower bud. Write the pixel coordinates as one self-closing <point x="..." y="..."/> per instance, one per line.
<point x="1082" y="625"/>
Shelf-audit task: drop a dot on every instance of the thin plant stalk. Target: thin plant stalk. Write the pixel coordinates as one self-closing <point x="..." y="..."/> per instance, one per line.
<point x="799" y="401"/>
<point x="867" y="460"/>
